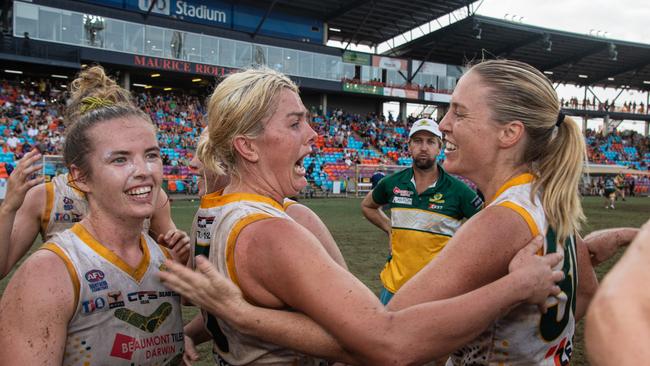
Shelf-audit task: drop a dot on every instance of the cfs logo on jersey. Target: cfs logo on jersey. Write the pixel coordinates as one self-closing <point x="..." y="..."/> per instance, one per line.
<point x="96" y="282"/>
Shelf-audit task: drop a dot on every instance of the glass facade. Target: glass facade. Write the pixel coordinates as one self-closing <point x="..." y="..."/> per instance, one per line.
<point x="88" y="30"/>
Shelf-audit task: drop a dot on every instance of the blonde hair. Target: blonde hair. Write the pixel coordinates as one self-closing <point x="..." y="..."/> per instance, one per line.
<point x="556" y="148"/>
<point x="237" y="107"/>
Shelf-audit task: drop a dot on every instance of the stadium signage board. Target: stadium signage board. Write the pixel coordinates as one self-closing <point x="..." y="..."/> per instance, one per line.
<point x="358" y="58"/>
<point x="363" y="89"/>
<point x="179" y="66"/>
<point x="198" y="11"/>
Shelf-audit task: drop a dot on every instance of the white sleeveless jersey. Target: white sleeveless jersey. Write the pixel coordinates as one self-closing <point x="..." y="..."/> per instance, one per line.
<point x="203" y="220"/>
<point x="123" y="315"/>
<point x="64" y="206"/>
<point x="230" y="214"/>
<point x="525" y="336"/>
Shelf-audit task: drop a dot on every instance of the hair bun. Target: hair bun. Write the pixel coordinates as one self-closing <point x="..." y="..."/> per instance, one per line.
<point x="95" y="84"/>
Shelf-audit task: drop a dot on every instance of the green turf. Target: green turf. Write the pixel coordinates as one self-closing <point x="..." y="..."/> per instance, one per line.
<point x="365" y="247"/>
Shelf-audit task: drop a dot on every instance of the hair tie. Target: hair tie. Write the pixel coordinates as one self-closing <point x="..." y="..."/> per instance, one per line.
<point x="91" y="103"/>
<point x="560" y="119"/>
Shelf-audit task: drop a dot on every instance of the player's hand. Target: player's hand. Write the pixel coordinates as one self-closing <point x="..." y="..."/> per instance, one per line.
<point x="22" y="179"/>
<point x="538" y="274"/>
<point x="205" y="287"/>
<point x="603" y="244"/>
<point x="190" y="354"/>
<point x="178" y="242"/>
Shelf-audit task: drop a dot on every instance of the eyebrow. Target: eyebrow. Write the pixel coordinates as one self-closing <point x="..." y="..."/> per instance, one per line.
<point x="125" y="152"/>
<point x="458" y="105"/>
<point x="297" y="114"/>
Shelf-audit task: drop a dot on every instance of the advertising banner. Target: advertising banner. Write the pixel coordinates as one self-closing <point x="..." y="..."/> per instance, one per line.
<point x="363" y="89"/>
<point x="390" y="63"/>
<point x="358" y="58"/>
<point x="401" y="93"/>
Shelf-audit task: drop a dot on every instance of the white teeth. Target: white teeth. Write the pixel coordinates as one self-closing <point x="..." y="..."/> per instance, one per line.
<point x="300" y="170"/>
<point x="450" y="147"/>
<point x="139" y="191"/>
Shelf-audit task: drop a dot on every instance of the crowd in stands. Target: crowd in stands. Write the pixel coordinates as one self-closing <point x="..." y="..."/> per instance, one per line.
<point x="597" y="105"/>
<point x="31" y="116"/>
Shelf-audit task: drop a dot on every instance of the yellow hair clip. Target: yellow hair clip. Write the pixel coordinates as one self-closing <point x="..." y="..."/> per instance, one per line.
<point x="91" y="103"/>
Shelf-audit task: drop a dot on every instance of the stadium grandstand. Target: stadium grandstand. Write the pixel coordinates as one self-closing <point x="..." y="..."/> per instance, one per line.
<point x="171" y="53"/>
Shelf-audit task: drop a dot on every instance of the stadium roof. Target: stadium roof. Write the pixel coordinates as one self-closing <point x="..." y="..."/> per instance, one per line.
<point x="368" y="22"/>
<point x="570" y="57"/>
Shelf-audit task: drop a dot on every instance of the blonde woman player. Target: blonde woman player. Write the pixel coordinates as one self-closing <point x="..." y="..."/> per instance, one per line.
<point x="32" y="207"/>
<point x="279" y="264"/>
<point x="90" y="295"/>
<point x="211" y="185"/>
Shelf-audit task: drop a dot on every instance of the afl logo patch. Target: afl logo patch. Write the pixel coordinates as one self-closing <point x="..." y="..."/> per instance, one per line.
<point x="94" y="275"/>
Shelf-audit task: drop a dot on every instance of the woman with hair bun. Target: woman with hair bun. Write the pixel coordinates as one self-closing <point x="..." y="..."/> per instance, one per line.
<point x="33" y="207"/>
<point x="90" y="294"/>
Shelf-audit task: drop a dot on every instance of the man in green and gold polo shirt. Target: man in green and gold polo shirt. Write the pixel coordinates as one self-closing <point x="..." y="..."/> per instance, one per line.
<point x="427" y="208"/>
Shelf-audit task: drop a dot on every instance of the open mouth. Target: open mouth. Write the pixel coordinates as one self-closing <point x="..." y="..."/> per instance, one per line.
<point x="449" y="147"/>
<point x="298" y="168"/>
<point x="139" y="192"/>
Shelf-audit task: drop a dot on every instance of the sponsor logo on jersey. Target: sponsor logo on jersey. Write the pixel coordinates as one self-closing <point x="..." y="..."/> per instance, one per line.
<point x="142" y="296"/>
<point x="204" y="221"/>
<point x="94" y="275"/>
<point x="68" y="203"/>
<point x="403" y="200"/>
<point x="67" y="216"/>
<point x="402" y="192"/>
<point x="433" y="206"/>
<point x="115" y="299"/>
<point x="125" y="346"/>
<point x="561" y="353"/>
<point x="95" y="280"/>
<point x="93" y="304"/>
<point x="437" y="198"/>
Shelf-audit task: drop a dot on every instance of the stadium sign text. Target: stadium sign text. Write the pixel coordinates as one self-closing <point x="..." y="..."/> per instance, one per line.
<point x="200" y="12"/>
<point x="179" y="66"/>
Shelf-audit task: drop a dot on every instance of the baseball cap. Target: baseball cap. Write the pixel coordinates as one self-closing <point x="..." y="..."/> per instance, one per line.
<point x="425" y="124"/>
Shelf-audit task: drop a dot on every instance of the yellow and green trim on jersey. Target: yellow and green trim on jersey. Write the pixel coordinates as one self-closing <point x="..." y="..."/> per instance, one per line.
<point x="421" y="223"/>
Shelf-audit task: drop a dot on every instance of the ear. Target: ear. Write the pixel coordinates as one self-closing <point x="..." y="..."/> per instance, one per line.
<point x="511" y="133"/>
<point x="246" y="149"/>
<point x="78" y="179"/>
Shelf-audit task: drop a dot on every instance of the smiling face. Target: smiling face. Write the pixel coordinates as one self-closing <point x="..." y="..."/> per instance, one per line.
<point x="471" y="135"/>
<point x="125" y="168"/>
<point x="424" y="148"/>
<point x="286" y="140"/>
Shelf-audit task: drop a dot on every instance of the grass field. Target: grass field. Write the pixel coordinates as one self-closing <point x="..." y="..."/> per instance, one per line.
<point x="364" y="246"/>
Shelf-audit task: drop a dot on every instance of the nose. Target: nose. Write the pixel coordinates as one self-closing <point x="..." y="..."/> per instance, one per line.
<point x="141" y="167"/>
<point x="311" y="135"/>
<point x="444" y="124"/>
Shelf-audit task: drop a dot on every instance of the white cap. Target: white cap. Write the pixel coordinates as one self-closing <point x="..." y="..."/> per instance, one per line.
<point x="425" y="124"/>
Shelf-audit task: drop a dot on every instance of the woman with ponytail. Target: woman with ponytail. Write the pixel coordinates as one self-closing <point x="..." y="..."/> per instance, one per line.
<point x="505" y="132"/>
<point x="90" y="294"/>
<point x="48" y="208"/>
